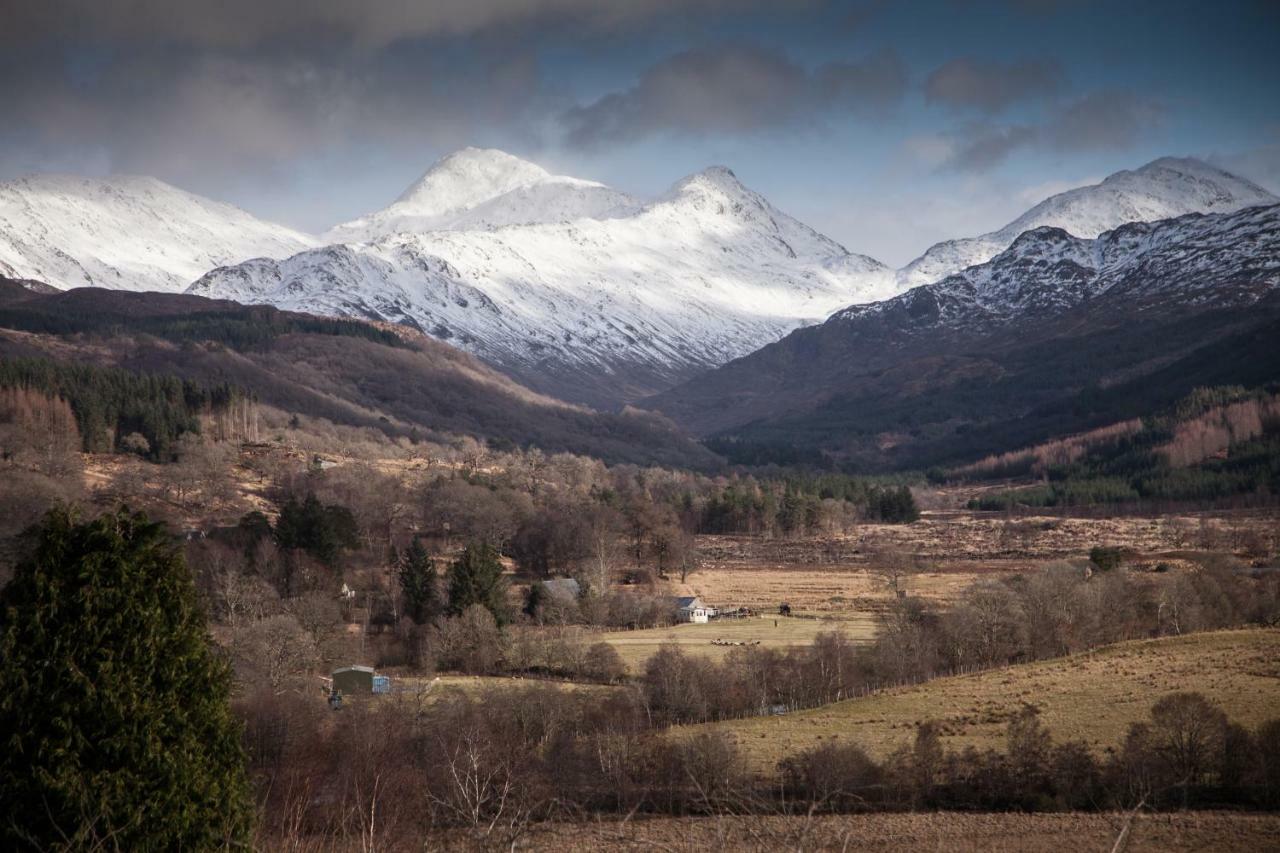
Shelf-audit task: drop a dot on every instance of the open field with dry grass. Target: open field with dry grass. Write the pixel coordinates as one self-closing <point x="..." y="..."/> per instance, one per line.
<point x="966" y="833"/>
<point x="835" y="592"/>
<point x="636" y="647"/>
<point x="1091" y="697"/>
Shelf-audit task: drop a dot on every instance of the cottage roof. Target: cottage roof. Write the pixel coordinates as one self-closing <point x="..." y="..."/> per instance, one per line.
<point x="367" y="669"/>
<point x="567" y="587"/>
<point x="688" y="602"/>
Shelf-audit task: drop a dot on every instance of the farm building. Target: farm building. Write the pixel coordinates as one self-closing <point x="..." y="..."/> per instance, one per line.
<point x="353" y="679"/>
<point x="691" y="609"/>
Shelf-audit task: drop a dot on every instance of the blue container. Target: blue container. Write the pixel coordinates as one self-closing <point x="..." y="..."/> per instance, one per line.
<point x="382" y="684"/>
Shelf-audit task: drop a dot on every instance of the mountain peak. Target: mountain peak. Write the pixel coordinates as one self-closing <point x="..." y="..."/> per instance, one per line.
<point x="713" y="179"/>
<point x="482" y="189"/>
<point x="1162" y="189"/>
<point x="467" y="177"/>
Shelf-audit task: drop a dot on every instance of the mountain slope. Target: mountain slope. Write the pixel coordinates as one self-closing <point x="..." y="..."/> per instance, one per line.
<point x="350" y="372"/>
<point x="1052" y="335"/>
<point x="598" y="310"/>
<point x="1162" y="189"/>
<point x="125" y="232"/>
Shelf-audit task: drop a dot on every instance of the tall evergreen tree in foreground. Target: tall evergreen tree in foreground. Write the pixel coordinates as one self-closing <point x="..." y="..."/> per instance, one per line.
<point x="115" y="729"/>
<point x="476" y="578"/>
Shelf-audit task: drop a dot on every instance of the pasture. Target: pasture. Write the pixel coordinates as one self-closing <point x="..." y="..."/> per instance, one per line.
<point x="1092" y="697"/>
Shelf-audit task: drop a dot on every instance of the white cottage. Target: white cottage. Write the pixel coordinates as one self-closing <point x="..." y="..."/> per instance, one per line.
<point x="691" y="609"/>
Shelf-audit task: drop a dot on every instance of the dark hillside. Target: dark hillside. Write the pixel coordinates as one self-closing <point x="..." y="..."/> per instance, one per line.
<point x="349" y="372"/>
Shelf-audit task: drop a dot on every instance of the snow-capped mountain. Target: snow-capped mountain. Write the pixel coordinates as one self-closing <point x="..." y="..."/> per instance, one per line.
<point x="599" y="307"/>
<point x="1162" y="189"/>
<point x="1197" y="259"/>
<point x="126" y="232"/>
<point x="479" y="188"/>
<point x="1149" y="309"/>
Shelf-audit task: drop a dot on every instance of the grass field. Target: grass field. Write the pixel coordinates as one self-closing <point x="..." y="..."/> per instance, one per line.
<point x="1210" y="832"/>
<point x="1091" y="697"/>
<point x="636" y="647"/>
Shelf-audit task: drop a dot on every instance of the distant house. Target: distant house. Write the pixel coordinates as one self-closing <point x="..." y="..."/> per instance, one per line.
<point x="691" y="609"/>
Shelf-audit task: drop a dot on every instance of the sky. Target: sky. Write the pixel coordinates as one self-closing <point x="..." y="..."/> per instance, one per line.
<point x="886" y="125"/>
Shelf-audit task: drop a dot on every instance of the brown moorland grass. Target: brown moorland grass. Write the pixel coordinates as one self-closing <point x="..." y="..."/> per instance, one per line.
<point x="814" y="590"/>
<point x="966" y="833"/>
<point x="1092" y="696"/>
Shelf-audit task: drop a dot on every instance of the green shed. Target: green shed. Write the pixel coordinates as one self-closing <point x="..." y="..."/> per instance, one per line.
<point x="353" y="679"/>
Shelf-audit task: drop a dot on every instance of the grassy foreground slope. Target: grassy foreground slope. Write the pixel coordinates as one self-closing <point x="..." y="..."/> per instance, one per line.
<point x="1092" y="696"/>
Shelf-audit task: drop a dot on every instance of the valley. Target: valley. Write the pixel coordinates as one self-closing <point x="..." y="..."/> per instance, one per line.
<point x="579" y="519"/>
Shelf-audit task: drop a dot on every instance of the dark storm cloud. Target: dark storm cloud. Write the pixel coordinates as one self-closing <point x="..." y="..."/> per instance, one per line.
<point x="734" y="88"/>
<point x="238" y="24"/>
<point x="202" y="117"/>
<point x="198" y="91"/>
<point x="1108" y="119"/>
<point x="973" y="83"/>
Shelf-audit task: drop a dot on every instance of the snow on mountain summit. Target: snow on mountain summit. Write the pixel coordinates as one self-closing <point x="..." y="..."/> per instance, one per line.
<point x="466" y="178"/>
<point x="1162" y="189"/>
<point x="126" y="232"/>
<point x="635" y="298"/>
<point x="483" y="188"/>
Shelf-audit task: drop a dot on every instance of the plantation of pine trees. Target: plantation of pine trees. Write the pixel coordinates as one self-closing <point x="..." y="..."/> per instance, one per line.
<point x="110" y="404"/>
<point x="1215" y="445"/>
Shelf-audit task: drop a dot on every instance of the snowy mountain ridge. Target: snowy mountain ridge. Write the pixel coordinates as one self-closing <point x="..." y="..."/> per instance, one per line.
<point x="1179" y="302"/>
<point x="707" y="272"/>
<point x="126" y="232"/>
<point x="576" y="288"/>
<point x="1197" y="259"/>
<point x="1162" y="189"/>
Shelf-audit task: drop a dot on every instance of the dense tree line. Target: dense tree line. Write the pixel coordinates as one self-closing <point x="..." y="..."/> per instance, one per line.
<point x="1186" y="754"/>
<point x="119" y="410"/>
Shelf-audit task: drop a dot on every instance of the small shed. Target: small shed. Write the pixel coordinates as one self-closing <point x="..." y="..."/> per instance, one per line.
<point x="353" y="679"/>
<point x="690" y="608"/>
